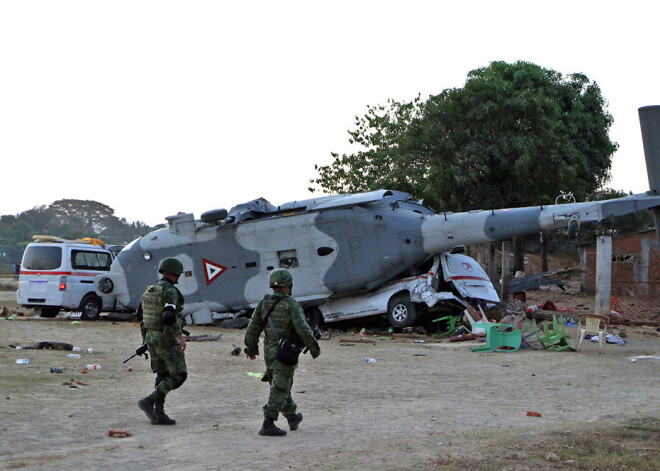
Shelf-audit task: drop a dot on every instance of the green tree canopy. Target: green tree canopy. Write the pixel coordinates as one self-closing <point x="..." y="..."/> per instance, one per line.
<point x="515" y="133"/>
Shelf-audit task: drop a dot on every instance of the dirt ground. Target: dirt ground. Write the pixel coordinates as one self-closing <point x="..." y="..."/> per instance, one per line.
<point x="419" y="406"/>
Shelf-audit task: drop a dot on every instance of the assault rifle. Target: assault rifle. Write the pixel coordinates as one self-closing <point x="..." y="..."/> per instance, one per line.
<point x="141" y="350"/>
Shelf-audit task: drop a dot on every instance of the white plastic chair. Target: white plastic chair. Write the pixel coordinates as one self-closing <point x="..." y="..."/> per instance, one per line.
<point x="594" y="324"/>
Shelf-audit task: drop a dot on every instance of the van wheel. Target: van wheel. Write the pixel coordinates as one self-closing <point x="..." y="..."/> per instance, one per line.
<point x="313" y="316"/>
<point x="401" y="312"/>
<point x="46" y="311"/>
<point x="433" y="327"/>
<point x="90" y="307"/>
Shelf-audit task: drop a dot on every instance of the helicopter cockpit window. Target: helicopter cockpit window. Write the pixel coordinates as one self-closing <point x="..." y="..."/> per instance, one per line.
<point x="288" y="258"/>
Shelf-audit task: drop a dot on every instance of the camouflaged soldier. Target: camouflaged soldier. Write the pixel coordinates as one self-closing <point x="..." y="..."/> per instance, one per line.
<point x="289" y="321"/>
<point x="162" y="304"/>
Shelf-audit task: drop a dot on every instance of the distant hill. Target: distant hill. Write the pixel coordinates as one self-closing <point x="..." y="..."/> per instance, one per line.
<point x="69" y="219"/>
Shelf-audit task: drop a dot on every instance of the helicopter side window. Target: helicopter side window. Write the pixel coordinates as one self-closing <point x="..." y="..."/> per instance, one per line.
<point x="288" y="258"/>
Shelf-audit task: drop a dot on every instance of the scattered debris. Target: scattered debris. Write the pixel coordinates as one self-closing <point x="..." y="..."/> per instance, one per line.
<point x="644" y="357"/>
<point x="236" y="323"/>
<point x="119" y="433"/>
<point x="204" y="338"/>
<point x="358" y="340"/>
<point x="609" y="338"/>
<point x="56" y="370"/>
<point x="236" y="351"/>
<point x="44" y="345"/>
<point x="255" y="375"/>
<point x="551" y="457"/>
<point x="463" y="338"/>
<point x="526" y="283"/>
<point x="531" y="413"/>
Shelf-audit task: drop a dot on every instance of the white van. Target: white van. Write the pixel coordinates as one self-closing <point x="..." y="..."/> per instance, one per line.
<point x="58" y="274"/>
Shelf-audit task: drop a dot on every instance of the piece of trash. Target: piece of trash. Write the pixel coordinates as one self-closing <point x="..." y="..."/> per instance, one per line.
<point x="609" y="338"/>
<point x="419" y="341"/>
<point x="255" y="375"/>
<point x="81" y="383"/>
<point x="419" y="354"/>
<point x="94" y="366"/>
<point x="118" y="433"/>
<point x="56" y="370"/>
<point x="75" y="356"/>
<point x="370" y="360"/>
<point x="22" y="361"/>
<point x="346" y="344"/>
<point x="643" y="357"/>
<point x="84" y="370"/>
<point x="130" y="368"/>
<point x="236" y="351"/>
<point x="531" y="413"/>
<point x="300" y="392"/>
<point x="463" y="338"/>
<point x="76" y="349"/>
<point x="90" y="350"/>
<point x="76" y="323"/>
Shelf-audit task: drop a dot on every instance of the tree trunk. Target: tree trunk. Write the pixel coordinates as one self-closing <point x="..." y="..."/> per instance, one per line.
<point x="518" y="254"/>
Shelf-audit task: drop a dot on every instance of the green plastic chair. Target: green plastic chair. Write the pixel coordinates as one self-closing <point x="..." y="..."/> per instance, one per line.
<point x="554" y="339"/>
<point x="502" y="338"/>
<point x="452" y="320"/>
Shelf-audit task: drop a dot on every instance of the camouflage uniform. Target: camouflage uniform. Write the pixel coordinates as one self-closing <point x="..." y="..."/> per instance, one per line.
<point x="167" y="359"/>
<point x="289" y="320"/>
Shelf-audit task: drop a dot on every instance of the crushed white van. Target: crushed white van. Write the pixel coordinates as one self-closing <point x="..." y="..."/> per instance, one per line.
<point x="58" y="274"/>
<point x="452" y="283"/>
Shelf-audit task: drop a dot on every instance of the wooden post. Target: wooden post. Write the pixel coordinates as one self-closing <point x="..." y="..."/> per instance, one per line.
<point x="492" y="266"/>
<point x="603" y="275"/>
<point x="481" y="254"/>
<point x="582" y="254"/>
<point x="506" y="271"/>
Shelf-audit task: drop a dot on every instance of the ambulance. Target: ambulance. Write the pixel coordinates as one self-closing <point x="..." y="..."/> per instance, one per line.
<point x="58" y="275"/>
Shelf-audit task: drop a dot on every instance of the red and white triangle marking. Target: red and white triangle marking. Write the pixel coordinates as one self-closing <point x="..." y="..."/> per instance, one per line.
<point x="212" y="270"/>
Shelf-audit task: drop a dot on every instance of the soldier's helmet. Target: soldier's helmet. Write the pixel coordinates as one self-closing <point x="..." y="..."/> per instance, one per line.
<point x="170" y="265"/>
<point x="280" y="277"/>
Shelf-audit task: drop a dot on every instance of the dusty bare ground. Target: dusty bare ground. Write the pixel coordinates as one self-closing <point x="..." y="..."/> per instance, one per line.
<point x="420" y="406"/>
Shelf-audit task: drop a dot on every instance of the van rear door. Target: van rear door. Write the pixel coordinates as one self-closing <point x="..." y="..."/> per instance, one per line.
<point x="40" y="274"/>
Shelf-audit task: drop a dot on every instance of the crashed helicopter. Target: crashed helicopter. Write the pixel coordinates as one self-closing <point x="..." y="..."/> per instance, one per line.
<point x="351" y="255"/>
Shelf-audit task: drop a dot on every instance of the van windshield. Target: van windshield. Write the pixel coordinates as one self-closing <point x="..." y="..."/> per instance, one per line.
<point x="39" y="257"/>
<point x="90" y="260"/>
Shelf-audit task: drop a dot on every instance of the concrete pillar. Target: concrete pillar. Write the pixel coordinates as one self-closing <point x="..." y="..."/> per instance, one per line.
<point x="641" y="268"/>
<point x="506" y="275"/>
<point x="603" y="275"/>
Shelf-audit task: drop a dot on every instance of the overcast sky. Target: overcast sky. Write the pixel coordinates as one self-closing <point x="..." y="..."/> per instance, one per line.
<point x="156" y="107"/>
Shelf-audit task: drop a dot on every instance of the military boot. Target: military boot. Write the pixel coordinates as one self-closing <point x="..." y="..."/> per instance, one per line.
<point x="269" y="429"/>
<point x="147" y="405"/>
<point x="294" y="420"/>
<point x="163" y="418"/>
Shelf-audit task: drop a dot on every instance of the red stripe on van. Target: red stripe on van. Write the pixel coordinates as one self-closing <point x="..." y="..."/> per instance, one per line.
<point x="469" y="278"/>
<point x="68" y="273"/>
